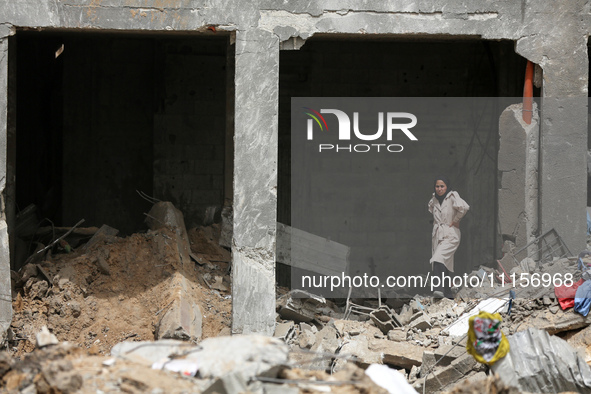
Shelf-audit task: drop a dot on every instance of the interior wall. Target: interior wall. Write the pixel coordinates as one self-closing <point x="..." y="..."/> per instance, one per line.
<point x="116" y="113"/>
<point x="107" y="135"/>
<point x="326" y="67"/>
<point x="190" y="126"/>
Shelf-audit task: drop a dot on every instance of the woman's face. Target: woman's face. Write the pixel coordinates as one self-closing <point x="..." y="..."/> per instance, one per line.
<point x="440" y="188"/>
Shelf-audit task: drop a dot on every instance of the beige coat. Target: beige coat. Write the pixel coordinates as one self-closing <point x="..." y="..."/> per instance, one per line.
<point x="446" y="238"/>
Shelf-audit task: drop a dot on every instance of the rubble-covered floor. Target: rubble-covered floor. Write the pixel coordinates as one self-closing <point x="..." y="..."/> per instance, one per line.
<point x="116" y="290"/>
<point x="113" y="292"/>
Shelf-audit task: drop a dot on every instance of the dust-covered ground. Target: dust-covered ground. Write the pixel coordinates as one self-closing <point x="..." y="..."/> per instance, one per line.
<point x="117" y="289"/>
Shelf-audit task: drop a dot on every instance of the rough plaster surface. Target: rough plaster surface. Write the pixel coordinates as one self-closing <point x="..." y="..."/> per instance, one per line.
<point x="5" y="289"/>
<point x="255" y="182"/>
<point x="5" y="292"/>
<point x="518" y="170"/>
<point x="552" y="34"/>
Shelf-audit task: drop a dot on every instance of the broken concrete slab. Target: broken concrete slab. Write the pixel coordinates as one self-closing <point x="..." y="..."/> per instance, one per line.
<point x="182" y="320"/>
<point x="397" y="334"/>
<point x="300" y="306"/>
<point x="283" y="330"/>
<point x="148" y="352"/>
<point x="351" y="328"/>
<point x="399" y="354"/>
<point x="554" y="323"/>
<point x="440" y="378"/>
<point x="421" y="323"/>
<point x="251" y="355"/>
<point x="539" y="362"/>
<point x="326" y="341"/>
<point x="358" y="346"/>
<point x="165" y="215"/>
<point x="103" y="233"/>
<point x="307" y="337"/>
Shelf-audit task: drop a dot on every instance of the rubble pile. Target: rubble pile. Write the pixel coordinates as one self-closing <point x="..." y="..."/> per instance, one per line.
<point x="151" y="312"/>
<point x="115" y="289"/>
<point x="235" y="364"/>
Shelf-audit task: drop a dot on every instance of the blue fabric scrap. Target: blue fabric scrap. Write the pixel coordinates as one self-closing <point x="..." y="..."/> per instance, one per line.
<point x="583" y="298"/>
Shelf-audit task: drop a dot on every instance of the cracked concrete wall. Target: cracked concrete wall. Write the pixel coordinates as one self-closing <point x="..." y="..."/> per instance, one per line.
<point x="5" y="289"/>
<point x="255" y="182"/>
<point x="552" y="34"/>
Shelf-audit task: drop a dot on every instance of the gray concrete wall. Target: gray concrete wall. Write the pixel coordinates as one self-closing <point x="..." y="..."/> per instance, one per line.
<point x="5" y="289"/>
<point x="552" y="34"/>
<point x="189" y="128"/>
<point x="255" y="182"/>
<point x="107" y="131"/>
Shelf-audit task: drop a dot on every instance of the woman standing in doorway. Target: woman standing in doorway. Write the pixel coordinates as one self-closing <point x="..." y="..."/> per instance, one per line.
<point x="447" y="208"/>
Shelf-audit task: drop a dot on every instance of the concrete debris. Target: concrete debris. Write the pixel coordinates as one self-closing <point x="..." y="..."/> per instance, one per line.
<point x="285" y="330"/>
<point x="183" y="320"/>
<point x="300" y="306"/>
<point x="390" y="379"/>
<point x="483" y="384"/>
<point x="104" y="233"/>
<point x="307" y="337"/>
<point x="45" y="338"/>
<point x="542" y="363"/>
<point x="165" y="215"/>
<point x="384" y="319"/>
<point x="227" y="227"/>
<point x="326" y="342"/>
<point x="421" y="322"/>
<point x="398" y="354"/>
<point x="398" y="334"/>
<point x="421" y="337"/>
<point x="581" y="340"/>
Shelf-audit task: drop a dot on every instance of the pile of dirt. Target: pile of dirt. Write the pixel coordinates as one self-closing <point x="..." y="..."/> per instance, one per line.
<point x="116" y="289"/>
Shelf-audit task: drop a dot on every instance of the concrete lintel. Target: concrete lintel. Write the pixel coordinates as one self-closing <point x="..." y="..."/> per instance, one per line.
<point x="255" y="182"/>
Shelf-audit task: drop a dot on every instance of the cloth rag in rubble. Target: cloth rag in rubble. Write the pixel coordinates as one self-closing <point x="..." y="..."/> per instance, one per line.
<point x="486" y="342"/>
<point x="583" y="298"/>
<point x="566" y="294"/>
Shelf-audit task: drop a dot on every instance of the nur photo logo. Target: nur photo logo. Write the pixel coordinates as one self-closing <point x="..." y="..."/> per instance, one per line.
<point x="391" y="122"/>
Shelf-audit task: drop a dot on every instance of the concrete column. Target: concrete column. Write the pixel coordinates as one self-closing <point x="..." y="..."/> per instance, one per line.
<point x="563" y="137"/>
<point x="563" y="169"/>
<point x="255" y="182"/>
<point x="5" y="292"/>
<point x="518" y="176"/>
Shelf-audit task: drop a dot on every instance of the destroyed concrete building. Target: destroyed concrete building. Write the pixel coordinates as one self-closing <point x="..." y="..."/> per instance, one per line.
<point x="188" y="101"/>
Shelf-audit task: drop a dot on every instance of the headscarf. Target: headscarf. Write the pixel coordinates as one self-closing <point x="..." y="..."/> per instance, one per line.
<point x="447" y="183"/>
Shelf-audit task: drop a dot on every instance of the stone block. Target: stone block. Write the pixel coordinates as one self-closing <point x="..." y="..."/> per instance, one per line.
<point x="164" y="215"/>
<point x="398" y="354"/>
<point x="282" y="330"/>
<point x="397" y="334"/>
<point x="45" y="338"/>
<point x="182" y="320"/>
<point x="422" y="323"/>
<point x="326" y="341"/>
